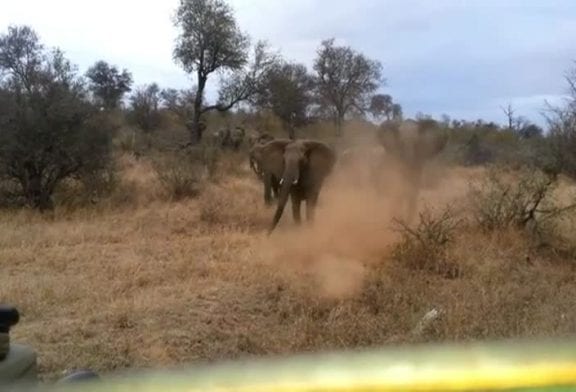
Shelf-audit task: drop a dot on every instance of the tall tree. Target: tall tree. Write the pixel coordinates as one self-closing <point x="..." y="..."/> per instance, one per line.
<point x="286" y="91"/>
<point x="381" y="106"/>
<point x="210" y="41"/>
<point x="345" y="80"/>
<point x="108" y="84"/>
<point x="49" y="130"/>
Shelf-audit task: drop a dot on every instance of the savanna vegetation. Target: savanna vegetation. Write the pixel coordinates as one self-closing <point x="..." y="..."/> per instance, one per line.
<point x="133" y="230"/>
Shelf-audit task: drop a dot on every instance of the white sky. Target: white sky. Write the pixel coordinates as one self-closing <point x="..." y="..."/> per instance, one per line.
<point x="463" y="58"/>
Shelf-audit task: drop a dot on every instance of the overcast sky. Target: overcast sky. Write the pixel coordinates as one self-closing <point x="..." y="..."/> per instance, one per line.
<point x="462" y="58"/>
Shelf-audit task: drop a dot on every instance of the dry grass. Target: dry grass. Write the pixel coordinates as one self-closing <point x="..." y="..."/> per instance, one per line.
<point x="156" y="283"/>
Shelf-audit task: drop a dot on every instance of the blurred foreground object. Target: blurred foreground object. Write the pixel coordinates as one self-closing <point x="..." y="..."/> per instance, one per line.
<point x="505" y="366"/>
<point x="17" y="362"/>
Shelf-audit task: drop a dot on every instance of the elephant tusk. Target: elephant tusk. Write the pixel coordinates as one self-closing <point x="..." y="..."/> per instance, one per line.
<point x="295" y="182"/>
<point x="281" y="181"/>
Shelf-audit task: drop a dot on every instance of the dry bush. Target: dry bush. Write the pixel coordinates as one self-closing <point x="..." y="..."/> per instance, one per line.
<point x="233" y="164"/>
<point x="425" y="247"/>
<point x="234" y="204"/>
<point x="88" y="188"/>
<point x="523" y="200"/>
<point x="180" y="176"/>
<point x="219" y="290"/>
<point x="129" y="141"/>
<point x="10" y="194"/>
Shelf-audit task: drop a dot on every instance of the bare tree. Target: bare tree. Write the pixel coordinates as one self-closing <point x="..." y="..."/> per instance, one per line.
<point x="509" y="112"/>
<point x="562" y="129"/>
<point x="244" y="84"/>
<point x="345" y="80"/>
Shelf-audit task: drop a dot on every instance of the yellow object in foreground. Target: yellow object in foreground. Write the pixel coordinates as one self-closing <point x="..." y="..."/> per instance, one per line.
<point x="505" y="366"/>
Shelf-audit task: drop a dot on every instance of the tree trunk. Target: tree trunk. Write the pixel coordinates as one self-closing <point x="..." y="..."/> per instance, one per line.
<point x="37" y="196"/>
<point x="339" y="124"/>
<point x="195" y="127"/>
<point x="290" y="131"/>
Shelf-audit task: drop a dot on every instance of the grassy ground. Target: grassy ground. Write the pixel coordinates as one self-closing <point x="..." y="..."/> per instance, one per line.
<point x="157" y="283"/>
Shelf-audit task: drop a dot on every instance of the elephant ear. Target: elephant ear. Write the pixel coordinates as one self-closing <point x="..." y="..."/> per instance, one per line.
<point x="320" y="154"/>
<point x="272" y="154"/>
<point x="391" y="139"/>
<point x="432" y="143"/>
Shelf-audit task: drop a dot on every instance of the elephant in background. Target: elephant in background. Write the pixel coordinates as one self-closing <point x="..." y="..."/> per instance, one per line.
<point x="228" y="138"/>
<point x="235" y="138"/>
<point x="302" y="166"/>
<point x="412" y="145"/>
<point x="363" y="164"/>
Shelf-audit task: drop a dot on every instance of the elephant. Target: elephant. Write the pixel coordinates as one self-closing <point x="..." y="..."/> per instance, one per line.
<point x="302" y="166"/>
<point x="216" y="138"/>
<point x="366" y="162"/>
<point x="412" y="145"/>
<point x="235" y="138"/>
<point x="228" y="138"/>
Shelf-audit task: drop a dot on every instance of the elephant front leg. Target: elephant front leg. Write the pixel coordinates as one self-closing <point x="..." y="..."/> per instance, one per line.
<point x="311" y="207"/>
<point x="275" y="187"/>
<point x="296" y="203"/>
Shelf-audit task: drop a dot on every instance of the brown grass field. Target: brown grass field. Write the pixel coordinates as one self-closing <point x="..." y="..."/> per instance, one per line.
<point x="153" y="283"/>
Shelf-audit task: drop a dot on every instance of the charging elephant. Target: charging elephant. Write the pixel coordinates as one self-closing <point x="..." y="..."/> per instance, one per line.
<point x="412" y="145"/>
<point x="363" y="165"/>
<point x="302" y="166"/>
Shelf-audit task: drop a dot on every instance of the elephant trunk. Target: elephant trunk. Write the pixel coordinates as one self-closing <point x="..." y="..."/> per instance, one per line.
<point x="254" y="166"/>
<point x="289" y="179"/>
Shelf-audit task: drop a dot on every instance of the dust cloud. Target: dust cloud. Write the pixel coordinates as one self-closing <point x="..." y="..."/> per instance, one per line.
<point x="353" y="224"/>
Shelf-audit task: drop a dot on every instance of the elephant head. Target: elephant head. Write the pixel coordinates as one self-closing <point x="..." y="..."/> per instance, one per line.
<point x="302" y="166"/>
<point x="262" y="156"/>
<point x="236" y="137"/>
<point x="264" y="163"/>
<point x="412" y="144"/>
